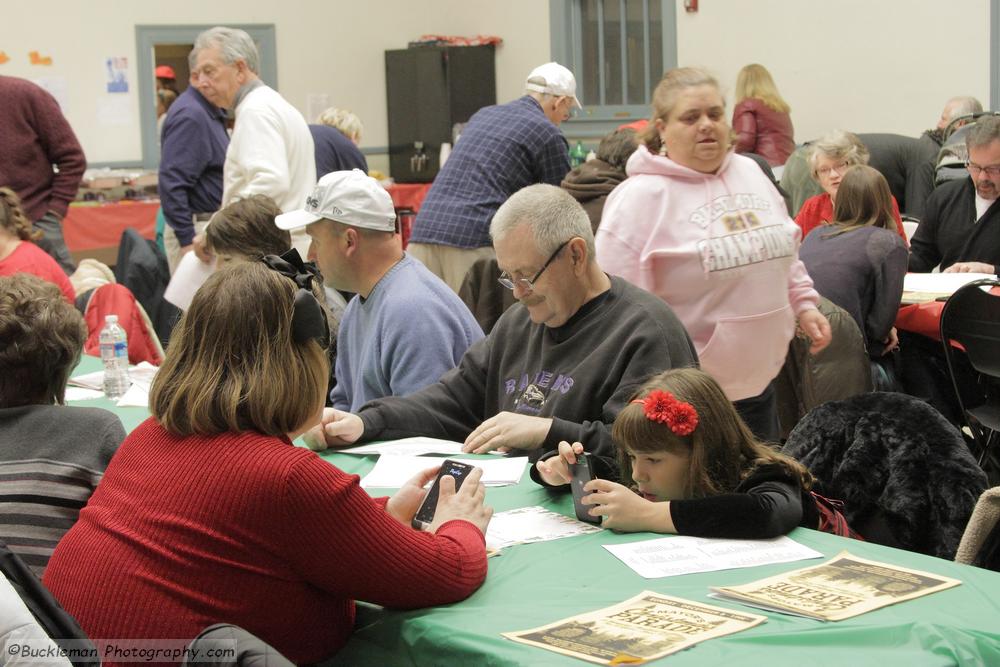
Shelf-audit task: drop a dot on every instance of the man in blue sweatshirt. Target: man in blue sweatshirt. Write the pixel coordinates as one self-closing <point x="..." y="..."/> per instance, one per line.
<point x="404" y="328"/>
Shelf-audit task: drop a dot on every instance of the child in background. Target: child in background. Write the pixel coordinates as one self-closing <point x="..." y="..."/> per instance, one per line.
<point x="18" y="251"/>
<point x="697" y="468"/>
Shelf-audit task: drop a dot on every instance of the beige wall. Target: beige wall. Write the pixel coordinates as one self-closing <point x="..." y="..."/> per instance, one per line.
<point x="867" y="66"/>
<point x="332" y="47"/>
<point x="885" y="66"/>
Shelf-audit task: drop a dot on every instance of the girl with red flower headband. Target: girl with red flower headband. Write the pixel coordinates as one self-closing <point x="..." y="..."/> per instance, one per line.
<point x="695" y="466"/>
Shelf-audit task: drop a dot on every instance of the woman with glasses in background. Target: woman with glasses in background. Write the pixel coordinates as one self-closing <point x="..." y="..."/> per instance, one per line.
<point x="829" y="159"/>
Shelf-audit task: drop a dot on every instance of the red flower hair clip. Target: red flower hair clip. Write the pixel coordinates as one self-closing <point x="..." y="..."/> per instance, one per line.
<point x="661" y="406"/>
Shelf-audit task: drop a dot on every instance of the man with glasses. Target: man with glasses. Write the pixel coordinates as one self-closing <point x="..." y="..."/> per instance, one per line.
<point x="960" y="230"/>
<point x="503" y="149"/>
<point x="558" y="366"/>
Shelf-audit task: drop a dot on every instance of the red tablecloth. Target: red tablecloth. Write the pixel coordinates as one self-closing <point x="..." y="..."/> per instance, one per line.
<point x="90" y="227"/>
<point x="921" y="318"/>
<point x="407" y="198"/>
<point x="408" y="195"/>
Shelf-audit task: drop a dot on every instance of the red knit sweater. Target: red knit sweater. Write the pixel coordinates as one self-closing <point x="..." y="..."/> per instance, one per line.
<point x="246" y="529"/>
<point x="34" y="135"/>
<point x="818" y="211"/>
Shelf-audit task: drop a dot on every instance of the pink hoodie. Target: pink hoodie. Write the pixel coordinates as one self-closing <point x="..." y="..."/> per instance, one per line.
<point x="721" y="250"/>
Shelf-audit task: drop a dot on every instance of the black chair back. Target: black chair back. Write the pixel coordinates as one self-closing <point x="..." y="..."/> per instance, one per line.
<point x="971" y="318"/>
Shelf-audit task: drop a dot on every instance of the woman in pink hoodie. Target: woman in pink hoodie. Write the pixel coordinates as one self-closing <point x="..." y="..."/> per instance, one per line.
<point x="706" y="231"/>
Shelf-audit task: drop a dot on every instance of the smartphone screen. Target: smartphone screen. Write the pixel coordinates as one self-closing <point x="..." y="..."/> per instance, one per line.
<point x="582" y="472"/>
<point x="456" y="469"/>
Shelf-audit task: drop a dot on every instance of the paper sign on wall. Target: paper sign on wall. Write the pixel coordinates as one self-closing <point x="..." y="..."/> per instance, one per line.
<point x="117" y="71"/>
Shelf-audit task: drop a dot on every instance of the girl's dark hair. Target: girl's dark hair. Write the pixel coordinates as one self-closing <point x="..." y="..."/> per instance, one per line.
<point x="247" y="228"/>
<point x="863" y="199"/>
<point x="723" y="451"/>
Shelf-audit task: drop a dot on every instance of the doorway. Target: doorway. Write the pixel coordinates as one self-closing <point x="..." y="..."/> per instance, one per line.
<point x="170" y="45"/>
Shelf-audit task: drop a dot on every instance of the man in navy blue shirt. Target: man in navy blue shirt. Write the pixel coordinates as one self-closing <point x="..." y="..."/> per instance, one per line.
<point x="502" y="149"/>
<point x="193" y="150"/>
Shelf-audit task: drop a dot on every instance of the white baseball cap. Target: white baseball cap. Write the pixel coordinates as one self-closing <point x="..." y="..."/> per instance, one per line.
<point x="349" y="197"/>
<point x="554" y="79"/>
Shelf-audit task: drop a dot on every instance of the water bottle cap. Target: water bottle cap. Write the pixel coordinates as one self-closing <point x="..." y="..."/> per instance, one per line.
<point x="111" y="319"/>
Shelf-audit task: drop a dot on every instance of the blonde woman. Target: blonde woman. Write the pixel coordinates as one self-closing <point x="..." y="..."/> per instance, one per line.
<point x="761" y="118"/>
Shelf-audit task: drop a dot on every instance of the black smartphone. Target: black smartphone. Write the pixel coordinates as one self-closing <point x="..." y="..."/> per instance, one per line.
<point x="582" y="472"/>
<point x="456" y="469"/>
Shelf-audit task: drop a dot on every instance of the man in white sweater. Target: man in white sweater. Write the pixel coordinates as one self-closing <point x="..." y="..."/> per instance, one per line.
<point x="271" y="150"/>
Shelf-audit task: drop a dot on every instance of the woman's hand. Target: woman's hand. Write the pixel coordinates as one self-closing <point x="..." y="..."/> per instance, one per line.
<point x="335" y="429"/>
<point x="624" y="510"/>
<point x="891" y="341"/>
<point x="466" y="503"/>
<point x="406" y="502"/>
<point x="815" y="325"/>
<point x="555" y="471"/>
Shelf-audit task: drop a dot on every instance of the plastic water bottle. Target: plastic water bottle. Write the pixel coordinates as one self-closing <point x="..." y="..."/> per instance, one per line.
<point x="114" y="355"/>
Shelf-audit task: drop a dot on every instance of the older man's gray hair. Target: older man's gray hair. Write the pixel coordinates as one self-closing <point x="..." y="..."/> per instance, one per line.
<point x="984" y="132"/>
<point x="552" y="214"/>
<point x="233" y="43"/>
<point x="963" y="106"/>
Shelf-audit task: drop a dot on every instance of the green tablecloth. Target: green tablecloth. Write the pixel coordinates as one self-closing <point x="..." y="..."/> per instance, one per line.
<point x="534" y="584"/>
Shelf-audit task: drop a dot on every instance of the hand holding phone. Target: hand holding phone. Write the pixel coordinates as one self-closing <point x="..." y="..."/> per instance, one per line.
<point x="425" y="514"/>
<point x="582" y="472"/>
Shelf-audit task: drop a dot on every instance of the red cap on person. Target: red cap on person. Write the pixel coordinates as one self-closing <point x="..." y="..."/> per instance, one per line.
<point x="165" y="72"/>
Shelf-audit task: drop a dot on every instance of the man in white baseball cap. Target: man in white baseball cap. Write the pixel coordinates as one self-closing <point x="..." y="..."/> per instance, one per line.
<point x="503" y="149"/>
<point x="405" y="328"/>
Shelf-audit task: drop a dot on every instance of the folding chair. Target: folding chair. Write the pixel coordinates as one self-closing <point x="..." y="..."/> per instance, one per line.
<point x="971" y="318"/>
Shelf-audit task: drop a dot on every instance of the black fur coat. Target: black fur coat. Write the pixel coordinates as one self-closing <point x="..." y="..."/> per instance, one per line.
<point x="898" y="465"/>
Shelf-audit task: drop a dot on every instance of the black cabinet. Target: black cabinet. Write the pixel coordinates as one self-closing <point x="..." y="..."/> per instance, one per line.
<point x="428" y="90"/>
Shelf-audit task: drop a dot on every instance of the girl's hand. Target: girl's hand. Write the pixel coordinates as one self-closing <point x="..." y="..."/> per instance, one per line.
<point x="555" y="471"/>
<point x="624" y="510"/>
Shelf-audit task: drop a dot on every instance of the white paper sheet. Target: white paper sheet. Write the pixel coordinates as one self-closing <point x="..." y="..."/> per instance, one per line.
<point x="191" y="274"/>
<point x="392" y="471"/>
<point x="671" y="556"/>
<point x="532" y="524"/>
<point x="407" y="447"/>
<point x="82" y="394"/>
<point x="91" y="385"/>
<point x="939" y="283"/>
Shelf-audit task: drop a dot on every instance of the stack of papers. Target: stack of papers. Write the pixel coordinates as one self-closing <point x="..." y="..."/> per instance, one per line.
<point x="840" y="588"/>
<point x="532" y="524"/>
<point x="933" y="285"/>
<point x="671" y="556"/>
<point x="407" y="447"/>
<point x="91" y="385"/>
<point x="392" y="471"/>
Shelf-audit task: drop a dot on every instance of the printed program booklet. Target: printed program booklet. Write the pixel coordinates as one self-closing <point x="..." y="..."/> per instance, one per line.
<point x="645" y="627"/>
<point x="840" y="588"/>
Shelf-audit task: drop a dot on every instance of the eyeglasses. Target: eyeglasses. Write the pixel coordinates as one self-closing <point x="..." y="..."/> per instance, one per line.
<point x="991" y="171"/>
<point x="840" y="168"/>
<point x="524" y="283"/>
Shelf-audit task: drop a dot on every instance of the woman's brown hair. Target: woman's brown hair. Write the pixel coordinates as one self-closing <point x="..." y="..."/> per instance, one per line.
<point x="247" y="228"/>
<point x="13" y="219"/>
<point x="863" y="199"/>
<point x="232" y="364"/>
<point x="723" y="451"/>
<point x="42" y="336"/>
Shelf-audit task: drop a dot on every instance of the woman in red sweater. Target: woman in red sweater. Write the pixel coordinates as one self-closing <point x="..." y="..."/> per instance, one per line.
<point x="208" y="514"/>
<point x="829" y="159"/>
